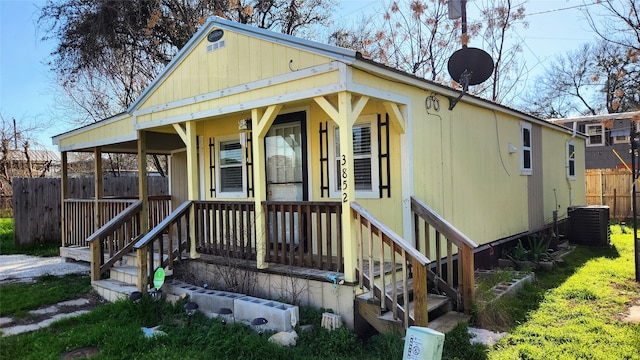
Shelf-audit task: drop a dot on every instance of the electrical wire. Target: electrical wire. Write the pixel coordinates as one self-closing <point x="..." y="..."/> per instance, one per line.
<point x="498" y="143"/>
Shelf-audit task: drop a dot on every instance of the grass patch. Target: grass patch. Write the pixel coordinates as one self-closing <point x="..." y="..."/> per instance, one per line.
<point x="573" y="312"/>
<point x="17" y="299"/>
<point x="115" y="330"/>
<point x="8" y="247"/>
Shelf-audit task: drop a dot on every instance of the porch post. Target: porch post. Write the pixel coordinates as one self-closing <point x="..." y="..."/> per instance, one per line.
<point x="192" y="180"/>
<point x="345" y="116"/>
<point x="64" y="191"/>
<point x="143" y="193"/>
<point x="98" y="188"/>
<point x="260" y="123"/>
<point x="349" y="245"/>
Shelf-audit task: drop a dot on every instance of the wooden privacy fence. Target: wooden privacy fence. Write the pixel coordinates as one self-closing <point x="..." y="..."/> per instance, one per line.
<point x="37" y="202"/>
<point x="611" y="187"/>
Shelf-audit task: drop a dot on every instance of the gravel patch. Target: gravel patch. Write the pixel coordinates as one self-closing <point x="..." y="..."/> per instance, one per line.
<point x="24" y="268"/>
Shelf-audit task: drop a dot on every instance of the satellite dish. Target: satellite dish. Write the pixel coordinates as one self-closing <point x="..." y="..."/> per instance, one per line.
<point x="469" y="66"/>
<point x="475" y="61"/>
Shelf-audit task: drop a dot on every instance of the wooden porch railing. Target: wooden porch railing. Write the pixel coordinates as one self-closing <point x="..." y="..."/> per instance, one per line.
<point x="163" y="244"/>
<point x="225" y="228"/>
<point x="392" y="249"/>
<point x="114" y="240"/>
<point x="80" y="219"/>
<point x="429" y="229"/>
<point x="305" y="234"/>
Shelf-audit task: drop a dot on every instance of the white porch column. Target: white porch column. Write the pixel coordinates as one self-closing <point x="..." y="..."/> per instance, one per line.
<point x="260" y="123"/>
<point x="98" y="186"/>
<point x="345" y="116"/>
<point x="192" y="179"/>
<point x="143" y="193"/>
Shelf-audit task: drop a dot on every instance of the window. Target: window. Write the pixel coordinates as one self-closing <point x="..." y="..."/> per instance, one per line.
<point x="365" y="160"/>
<point x="231" y="168"/>
<point x="571" y="160"/>
<point x="525" y="155"/>
<point x="595" y="133"/>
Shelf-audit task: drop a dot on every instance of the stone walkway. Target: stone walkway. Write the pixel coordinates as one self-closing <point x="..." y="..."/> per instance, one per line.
<point x="44" y="317"/>
<point x="23" y="268"/>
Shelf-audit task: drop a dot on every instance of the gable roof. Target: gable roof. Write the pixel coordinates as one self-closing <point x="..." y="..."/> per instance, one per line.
<point x="214" y="22"/>
<point x="347" y="56"/>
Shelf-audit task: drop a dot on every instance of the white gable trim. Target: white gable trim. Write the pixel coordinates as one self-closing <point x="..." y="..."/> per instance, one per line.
<point x="101" y="142"/>
<point x="248" y="105"/>
<point x="334" y="52"/>
<point x="255" y="85"/>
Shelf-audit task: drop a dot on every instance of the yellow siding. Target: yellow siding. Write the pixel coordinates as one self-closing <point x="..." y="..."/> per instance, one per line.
<point x="290" y="87"/>
<point x="243" y="60"/>
<point x="462" y="165"/>
<point x="555" y="174"/>
<point x="105" y="133"/>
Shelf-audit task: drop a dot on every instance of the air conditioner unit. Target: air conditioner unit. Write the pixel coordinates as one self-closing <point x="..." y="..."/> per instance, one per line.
<point x="589" y="225"/>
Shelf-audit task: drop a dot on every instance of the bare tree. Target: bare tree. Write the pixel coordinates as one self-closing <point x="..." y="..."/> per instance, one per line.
<point x="20" y="153"/>
<point x="417" y="37"/>
<point x="620" y="23"/>
<point x="595" y="78"/>
<point x="566" y="87"/>
<point x="499" y="18"/>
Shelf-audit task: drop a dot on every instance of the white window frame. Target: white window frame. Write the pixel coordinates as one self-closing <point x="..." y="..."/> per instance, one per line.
<point x="229" y="194"/>
<point x="589" y="139"/>
<point x="334" y="190"/>
<point x="571" y="160"/>
<point x="524" y="149"/>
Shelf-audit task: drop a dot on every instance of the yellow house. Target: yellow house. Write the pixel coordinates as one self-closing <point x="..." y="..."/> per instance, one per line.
<point x="315" y="168"/>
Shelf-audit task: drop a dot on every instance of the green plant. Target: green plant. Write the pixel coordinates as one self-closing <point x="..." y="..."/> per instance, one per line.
<point x="517" y="253"/>
<point x="539" y="248"/>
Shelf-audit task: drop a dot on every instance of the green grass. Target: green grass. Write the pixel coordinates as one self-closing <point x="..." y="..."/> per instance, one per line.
<point x="571" y="312"/>
<point x="17" y="299"/>
<point x="7" y="246"/>
<point x="115" y="330"/>
<point x="574" y="312"/>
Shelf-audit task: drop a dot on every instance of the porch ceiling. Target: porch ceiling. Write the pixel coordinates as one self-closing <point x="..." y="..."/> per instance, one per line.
<point x="157" y="143"/>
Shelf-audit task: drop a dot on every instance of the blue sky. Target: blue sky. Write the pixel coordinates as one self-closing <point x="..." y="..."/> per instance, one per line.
<point x="27" y="88"/>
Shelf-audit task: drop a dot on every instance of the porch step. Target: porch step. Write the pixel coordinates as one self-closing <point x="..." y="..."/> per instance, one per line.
<point x="126" y="274"/>
<point x="112" y="290"/>
<point x="448" y="321"/>
<point x="369" y="308"/>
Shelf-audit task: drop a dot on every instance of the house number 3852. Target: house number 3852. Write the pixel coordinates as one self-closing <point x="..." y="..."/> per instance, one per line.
<point x="343" y="164"/>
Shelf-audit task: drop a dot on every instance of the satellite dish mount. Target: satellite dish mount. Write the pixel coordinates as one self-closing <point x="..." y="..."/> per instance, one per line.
<point x="468" y="66"/>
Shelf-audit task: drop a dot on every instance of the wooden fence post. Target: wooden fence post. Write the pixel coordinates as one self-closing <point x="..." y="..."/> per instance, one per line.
<point x="421" y="312"/>
<point x="94" y="246"/>
<point x="468" y="278"/>
<point x="143" y="276"/>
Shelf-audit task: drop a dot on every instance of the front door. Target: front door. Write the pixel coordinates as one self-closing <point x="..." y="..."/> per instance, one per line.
<point x="285" y="153"/>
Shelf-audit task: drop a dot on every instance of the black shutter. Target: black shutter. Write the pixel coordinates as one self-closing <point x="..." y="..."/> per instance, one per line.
<point x="212" y="168"/>
<point x="384" y="173"/>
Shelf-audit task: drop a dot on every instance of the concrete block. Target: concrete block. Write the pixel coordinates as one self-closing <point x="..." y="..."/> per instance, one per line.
<point x="180" y="288"/>
<point x="280" y="316"/>
<point x="213" y="300"/>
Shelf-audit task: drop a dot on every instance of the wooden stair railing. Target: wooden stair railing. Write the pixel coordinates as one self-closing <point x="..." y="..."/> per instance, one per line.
<point x="115" y="239"/>
<point x="391" y="248"/>
<point x="177" y="225"/>
<point x="462" y="292"/>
